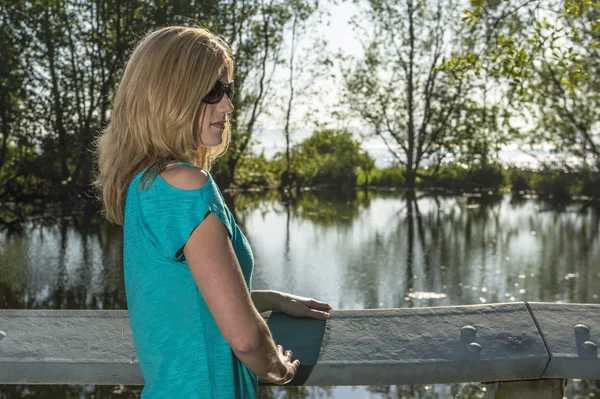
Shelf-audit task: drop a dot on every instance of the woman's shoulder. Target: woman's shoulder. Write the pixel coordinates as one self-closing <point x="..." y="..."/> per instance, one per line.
<point x="178" y="178"/>
<point x="179" y="184"/>
<point x="185" y="177"/>
<point x="176" y="201"/>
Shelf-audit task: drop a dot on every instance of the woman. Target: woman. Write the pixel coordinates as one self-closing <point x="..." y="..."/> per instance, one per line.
<point x="196" y="323"/>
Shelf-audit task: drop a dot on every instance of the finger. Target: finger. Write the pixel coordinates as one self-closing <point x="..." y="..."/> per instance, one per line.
<point x="280" y="349"/>
<point x="289" y="354"/>
<point x="296" y="364"/>
<point x="319" y="315"/>
<point x="318" y="305"/>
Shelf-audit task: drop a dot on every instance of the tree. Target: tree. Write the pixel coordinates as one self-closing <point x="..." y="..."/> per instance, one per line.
<point x="305" y="65"/>
<point x="552" y="63"/>
<point x="565" y="91"/>
<point x="397" y="89"/>
<point x="17" y="128"/>
<point x="255" y="32"/>
<point x="64" y="58"/>
<point x="79" y="51"/>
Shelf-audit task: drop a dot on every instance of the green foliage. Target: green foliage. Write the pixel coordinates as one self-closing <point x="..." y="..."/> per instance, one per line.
<point x="486" y="177"/>
<point x="553" y="183"/>
<point x="550" y="61"/>
<point x="327" y="158"/>
<point x="451" y="177"/>
<point x="429" y="98"/>
<point x="256" y="171"/>
<point x="22" y="191"/>
<point x="489" y="177"/>
<point x="590" y="185"/>
<point x="392" y="176"/>
<point x="558" y="184"/>
<point x="478" y="134"/>
<point x="519" y="179"/>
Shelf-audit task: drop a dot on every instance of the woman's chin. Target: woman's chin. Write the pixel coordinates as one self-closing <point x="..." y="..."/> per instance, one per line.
<point x="212" y="141"/>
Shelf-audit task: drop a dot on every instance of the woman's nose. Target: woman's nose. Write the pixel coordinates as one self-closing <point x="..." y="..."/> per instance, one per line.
<point x="225" y="104"/>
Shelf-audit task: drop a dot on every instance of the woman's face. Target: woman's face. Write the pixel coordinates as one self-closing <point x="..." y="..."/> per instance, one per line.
<point x="212" y="121"/>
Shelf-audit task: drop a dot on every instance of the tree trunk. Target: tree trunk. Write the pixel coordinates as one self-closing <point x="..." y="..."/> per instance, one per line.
<point x="411" y="176"/>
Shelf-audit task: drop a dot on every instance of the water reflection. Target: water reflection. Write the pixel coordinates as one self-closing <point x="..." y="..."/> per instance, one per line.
<point x="425" y="251"/>
<point x="363" y="250"/>
<point x="74" y="263"/>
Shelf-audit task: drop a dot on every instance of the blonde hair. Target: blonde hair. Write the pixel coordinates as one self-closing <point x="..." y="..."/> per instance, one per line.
<point x="156" y="111"/>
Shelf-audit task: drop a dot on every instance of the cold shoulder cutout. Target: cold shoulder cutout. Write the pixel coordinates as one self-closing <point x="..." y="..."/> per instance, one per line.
<point x="185" y="177"/>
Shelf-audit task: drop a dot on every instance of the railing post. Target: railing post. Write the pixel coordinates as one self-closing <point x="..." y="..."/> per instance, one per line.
<point x="547" y="389"/>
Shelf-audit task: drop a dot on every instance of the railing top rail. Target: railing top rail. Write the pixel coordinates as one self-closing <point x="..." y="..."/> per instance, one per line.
<point x="490" y="342"/>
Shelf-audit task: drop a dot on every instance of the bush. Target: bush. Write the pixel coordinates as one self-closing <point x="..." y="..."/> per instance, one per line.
<point x="327" y="158"/>
<point x="454" y="177"/>
<point x="519" y="183"/>
<point x="520" y="179"/>
<point x="556" y="184"/>
<point x="590" y="185"/>
<point x="392" y="176"/>
<point x="255" y="171"/>
<point x="487" y="177"/>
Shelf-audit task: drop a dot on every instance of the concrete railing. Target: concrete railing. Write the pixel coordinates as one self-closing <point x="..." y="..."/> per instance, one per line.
<point x="529" y="348"/>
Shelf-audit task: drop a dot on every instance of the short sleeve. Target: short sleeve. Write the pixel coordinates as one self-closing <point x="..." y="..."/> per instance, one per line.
<point x="169" y="215"/>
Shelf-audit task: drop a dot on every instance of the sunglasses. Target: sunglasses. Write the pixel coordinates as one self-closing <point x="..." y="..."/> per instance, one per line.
<point x="218" y="91"/>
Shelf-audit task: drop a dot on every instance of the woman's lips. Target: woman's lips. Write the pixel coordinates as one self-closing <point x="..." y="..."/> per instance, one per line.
<point x="219" y="125"/>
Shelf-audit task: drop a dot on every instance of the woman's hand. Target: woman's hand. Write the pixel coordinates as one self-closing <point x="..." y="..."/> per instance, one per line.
<point x="298" y="306"/>
<point x="290" y="368"/>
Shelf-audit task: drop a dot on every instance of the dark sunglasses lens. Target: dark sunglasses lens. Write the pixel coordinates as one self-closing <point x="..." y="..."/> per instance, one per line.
<point x="230" y="90"/>
<point x="215" y="95"/>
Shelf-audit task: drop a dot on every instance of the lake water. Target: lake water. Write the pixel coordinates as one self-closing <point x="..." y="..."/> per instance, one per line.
<point x="355" y="251"/>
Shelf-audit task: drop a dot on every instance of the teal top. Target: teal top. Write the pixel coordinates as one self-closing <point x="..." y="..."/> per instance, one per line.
<point x="181" y="351"/>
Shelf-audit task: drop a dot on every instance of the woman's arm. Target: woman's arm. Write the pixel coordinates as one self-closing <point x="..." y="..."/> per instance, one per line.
<point x="215" y="268"/>
<point x="264" y="300"/>
<point x="295" y="305"/>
